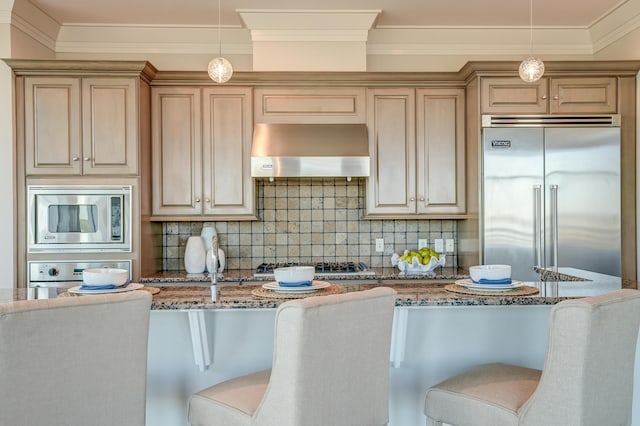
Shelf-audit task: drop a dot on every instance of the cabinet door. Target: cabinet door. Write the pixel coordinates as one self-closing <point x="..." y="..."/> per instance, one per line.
<point x="52" y="126"/>
<point x="440" y="146"/>
<point x="227" y="129"/>
<point x="110" y="126"/>
<point x="584" y="95"/>
<point x="176" y="151"/>
<point x="513" y="96"/>
<point x="391" y="123"/>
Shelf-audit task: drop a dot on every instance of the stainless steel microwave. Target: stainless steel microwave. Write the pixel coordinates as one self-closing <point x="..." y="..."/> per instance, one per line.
<point x="78" y="218"/>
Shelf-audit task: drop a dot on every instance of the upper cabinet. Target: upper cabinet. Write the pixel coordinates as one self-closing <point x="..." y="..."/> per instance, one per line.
<point x="227" y="127"/>
<point x="176" y="146"/>
<point x="81" y="126"/>
<point x="391" y="187"/>
<point x="553" y="95"/>
<point x="440" y="149"/>
<point x="310" y="105"/>
<point x="201" y="152"/>
<point x="417" y="149"/>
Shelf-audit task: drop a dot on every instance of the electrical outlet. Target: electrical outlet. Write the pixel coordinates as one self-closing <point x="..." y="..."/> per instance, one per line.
<point x="448" y="246"/>
<point x="439" y="245"/>
<point x="422" y="242"/>
<point x="379" y="245"/>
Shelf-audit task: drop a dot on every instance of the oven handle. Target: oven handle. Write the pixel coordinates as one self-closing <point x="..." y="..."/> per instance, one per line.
<point x="54" y="284"/>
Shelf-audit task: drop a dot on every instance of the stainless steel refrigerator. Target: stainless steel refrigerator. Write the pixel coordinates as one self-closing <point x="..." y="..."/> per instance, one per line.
<point x="551" y="193"/>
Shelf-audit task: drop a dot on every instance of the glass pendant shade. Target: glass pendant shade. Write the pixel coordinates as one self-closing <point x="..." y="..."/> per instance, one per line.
<point x="531" y="69"/>
<point x="220" y="70"/>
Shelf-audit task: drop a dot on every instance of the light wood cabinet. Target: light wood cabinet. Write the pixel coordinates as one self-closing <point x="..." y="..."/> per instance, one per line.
<point x="310" y="105"/>
<point x="176" y="147"/>
<point x="583" y="95"/>
<point x="227" y="129"/>
<point x="391" y="187"/>
<point x="201" y="149"/>
<point x="417" y="149"/>
<point x="440" y="149"/>
<point x="553" y="95"/>
<point x="81" y="126"/>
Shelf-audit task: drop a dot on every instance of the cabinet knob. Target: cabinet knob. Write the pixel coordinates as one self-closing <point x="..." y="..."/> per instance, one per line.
<point x="197" y="200"/>
<point x="421" y="198"/>
<point x="86" y="158"/>
<point x="206" y="200"/>
<point x="75" y="158"/>
<point x="543" y="97"/>
<point x="412" y="199"/>
<point x="556" y="97"/>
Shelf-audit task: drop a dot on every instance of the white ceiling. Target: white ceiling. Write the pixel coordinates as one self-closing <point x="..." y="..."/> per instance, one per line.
<point x="394" y="13"/>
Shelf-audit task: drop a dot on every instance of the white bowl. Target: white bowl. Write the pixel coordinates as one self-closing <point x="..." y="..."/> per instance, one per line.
<point x="104" y="276"/>
<point x="490" y="272"/>
<point x="294" y="274"/>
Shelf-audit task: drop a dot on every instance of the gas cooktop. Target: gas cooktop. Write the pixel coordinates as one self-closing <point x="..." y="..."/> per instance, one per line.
<point x="322" y="268"/>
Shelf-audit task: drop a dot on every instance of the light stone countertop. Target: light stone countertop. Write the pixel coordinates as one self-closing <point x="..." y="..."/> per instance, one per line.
<point x="181" y="292"/>
<point x="415" y="292"/>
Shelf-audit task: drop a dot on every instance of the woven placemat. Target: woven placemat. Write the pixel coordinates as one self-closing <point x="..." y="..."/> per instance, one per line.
<point x="152" y="290"/>
<point x="525" y="290"/>
<point x="270" y="294"/>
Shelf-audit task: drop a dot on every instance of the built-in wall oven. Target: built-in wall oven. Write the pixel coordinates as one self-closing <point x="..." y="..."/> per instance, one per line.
<point x="74" y="227"/>
<point x="47" y="279"/>
<point x="81" y="219"/>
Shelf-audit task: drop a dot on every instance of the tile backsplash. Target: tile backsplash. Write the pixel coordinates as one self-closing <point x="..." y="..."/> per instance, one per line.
<point x="306" y="221"/>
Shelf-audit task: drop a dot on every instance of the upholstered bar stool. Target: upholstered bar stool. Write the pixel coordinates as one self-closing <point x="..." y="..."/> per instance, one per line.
<point x="74" y="361"/>
<point x="330" y="367"/>
<point x="587" y="377"/>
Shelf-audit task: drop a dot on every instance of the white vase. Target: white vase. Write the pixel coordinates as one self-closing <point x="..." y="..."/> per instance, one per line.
<point x="207" y="234"/>
<point x="194" y="256"/>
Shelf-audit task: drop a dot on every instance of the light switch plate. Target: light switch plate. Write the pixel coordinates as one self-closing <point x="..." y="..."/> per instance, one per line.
<point x="379" y="245"/>
<point x="439" y="245"/>
<point x="448" y="246"/>
<point x="422" y="242"/>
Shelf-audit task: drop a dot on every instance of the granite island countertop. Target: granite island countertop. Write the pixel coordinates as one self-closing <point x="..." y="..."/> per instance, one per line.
<point x="181" y="292"/>
<point x="415" y="293"/>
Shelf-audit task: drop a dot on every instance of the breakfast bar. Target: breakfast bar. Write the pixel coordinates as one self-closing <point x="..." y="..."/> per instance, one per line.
<point x="437" y="333"/>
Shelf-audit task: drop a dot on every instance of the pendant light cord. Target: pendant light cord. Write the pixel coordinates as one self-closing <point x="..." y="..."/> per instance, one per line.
<point x="530" y="27"/>
<point x="219" y="36"/>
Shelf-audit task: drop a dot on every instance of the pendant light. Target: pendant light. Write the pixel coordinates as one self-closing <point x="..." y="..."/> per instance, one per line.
<point x="531" y="68"/>
<point x="220" y="70"/>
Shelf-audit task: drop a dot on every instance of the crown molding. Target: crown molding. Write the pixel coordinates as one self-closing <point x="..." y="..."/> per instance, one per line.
<point x="151" y="48"/>
<point x="616" y="24"/>
<point x="402" y="79"/>
<point x="296" y="19"/>
<point x="41" y="37"/>
<point x="426" y="41"/>
<point x="309" y="35"/>
<point x="494" y="49"/>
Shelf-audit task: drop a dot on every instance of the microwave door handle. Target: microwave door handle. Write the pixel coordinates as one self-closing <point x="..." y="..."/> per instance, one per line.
<point x="553" y="192"/>
<point x="537" y="224"/>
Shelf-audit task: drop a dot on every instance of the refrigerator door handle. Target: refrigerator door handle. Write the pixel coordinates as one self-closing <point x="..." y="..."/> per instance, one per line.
<point x="553" y="193"/>
<point x="537" y="224"/>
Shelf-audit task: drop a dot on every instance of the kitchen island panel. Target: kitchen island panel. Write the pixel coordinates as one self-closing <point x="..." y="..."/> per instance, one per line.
<point x="441" y="341"/>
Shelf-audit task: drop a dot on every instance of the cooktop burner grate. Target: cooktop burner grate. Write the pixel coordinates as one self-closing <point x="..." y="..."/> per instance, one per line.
<point x="321" y="267"/>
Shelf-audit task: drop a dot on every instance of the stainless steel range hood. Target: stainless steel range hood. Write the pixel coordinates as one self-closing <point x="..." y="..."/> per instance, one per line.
<point x="310" y="150"/>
